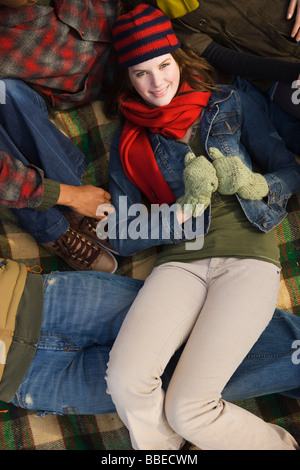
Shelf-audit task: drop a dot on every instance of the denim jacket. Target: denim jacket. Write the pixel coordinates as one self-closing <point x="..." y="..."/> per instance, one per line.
<point x="232" y="122"/>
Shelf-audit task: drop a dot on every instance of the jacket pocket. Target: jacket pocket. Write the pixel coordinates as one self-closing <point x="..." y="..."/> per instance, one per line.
<point x="227" y="123"/>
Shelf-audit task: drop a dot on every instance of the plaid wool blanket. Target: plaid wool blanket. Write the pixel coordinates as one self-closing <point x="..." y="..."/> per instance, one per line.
<point x="26" y="430"/>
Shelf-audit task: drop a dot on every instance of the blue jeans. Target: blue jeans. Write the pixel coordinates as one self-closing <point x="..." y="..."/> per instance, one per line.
<point x="83" y="312"/>
<point x="287" y="126"/>
<point x="26" y="133"/>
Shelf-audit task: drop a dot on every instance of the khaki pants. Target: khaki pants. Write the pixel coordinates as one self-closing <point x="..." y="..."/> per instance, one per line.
<point x="219" y="306"/>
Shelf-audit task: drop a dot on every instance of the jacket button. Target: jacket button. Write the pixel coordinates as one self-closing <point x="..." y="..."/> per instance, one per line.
<point x="202" y="22"/>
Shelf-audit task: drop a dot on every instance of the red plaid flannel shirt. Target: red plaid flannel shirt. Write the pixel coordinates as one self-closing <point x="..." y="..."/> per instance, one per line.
<point x="61" y="50"/>
<point x="20" y="185"/>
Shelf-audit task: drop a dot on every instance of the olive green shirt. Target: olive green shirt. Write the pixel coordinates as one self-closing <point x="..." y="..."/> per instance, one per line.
<point x="230" y="235"/>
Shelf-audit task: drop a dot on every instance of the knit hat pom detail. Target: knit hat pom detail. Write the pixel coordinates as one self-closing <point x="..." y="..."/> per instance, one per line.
<point x="142" y="34"/>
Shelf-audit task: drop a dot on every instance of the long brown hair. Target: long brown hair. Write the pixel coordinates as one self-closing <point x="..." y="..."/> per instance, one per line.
<point x="194" y="70"/>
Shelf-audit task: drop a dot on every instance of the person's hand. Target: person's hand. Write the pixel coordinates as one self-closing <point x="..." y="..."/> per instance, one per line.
<point x="294" y="6"/>
<point x="200" y="182"/>
<point x="85" y="199"/>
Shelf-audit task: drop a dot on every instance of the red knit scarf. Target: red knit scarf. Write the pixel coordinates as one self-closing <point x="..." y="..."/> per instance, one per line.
<point x="172" y="120"/>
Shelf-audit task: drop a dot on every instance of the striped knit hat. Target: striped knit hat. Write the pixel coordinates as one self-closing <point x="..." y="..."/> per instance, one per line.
<point x="143" y="34"/>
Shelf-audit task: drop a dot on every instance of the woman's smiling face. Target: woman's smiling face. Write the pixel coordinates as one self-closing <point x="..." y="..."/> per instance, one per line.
<point x="156" y="80"/>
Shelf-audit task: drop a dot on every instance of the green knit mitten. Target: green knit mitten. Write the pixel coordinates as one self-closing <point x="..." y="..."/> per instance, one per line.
<point x="235" y="177"/>
<point x="200" y="182"/>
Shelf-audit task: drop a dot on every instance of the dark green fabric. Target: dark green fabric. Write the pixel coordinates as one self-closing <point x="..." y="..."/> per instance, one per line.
<point x="230" y="235"/>
<point x="27" y="333"/>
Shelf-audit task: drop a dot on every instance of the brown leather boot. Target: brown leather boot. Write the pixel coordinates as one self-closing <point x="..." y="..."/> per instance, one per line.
<point x="88" y="225"/>
<point x="82" y="253"/>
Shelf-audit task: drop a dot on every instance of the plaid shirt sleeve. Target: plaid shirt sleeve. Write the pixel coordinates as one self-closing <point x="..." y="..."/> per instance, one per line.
<point x="20" y="185"/>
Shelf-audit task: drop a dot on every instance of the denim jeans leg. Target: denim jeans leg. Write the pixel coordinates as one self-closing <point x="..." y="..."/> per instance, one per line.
<point x="267" y="148"/>
<point x="83" y="312"/>
<point x="27" y="133"/>
<point x="272" y="365"/>
<point x="268" y="368"/>
<point x="43" y="226"/>
<point x="26" y="121"/>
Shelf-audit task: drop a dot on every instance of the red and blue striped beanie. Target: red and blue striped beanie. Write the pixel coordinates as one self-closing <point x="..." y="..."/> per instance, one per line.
<point x="142" y="34"/>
